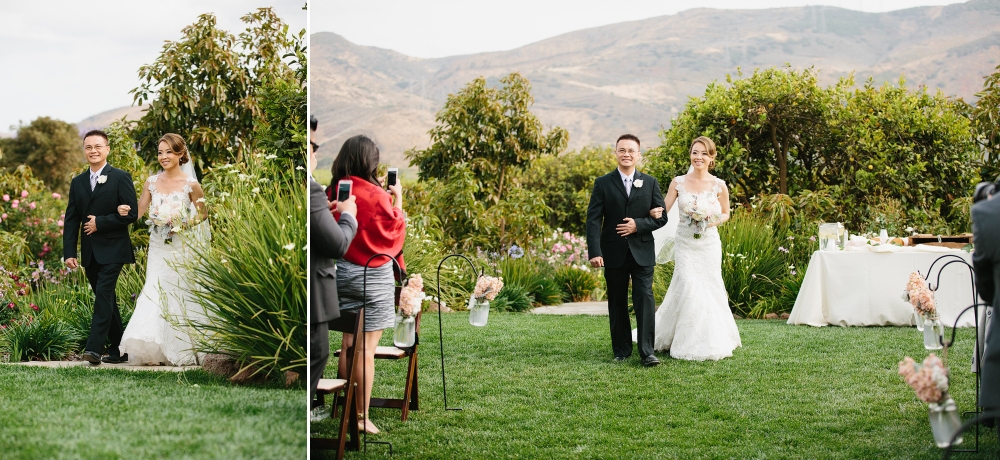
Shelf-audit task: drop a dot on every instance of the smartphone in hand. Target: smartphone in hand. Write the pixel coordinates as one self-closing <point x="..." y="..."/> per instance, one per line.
<point x="393" y="176"/>
<point x="344" y="190"/>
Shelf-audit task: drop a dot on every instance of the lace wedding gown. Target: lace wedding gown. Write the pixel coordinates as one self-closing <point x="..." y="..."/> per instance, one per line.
<point x="157" y="332"/>
<point x="694" y="321"/>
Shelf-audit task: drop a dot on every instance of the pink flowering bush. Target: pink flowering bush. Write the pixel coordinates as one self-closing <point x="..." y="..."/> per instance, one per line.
<point x="929" y="380"/>
<point x="561" y="249"/>
<point x="39" y="217"/>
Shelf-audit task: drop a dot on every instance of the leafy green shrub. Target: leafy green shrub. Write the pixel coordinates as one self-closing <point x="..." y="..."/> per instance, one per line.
<point x="71" y="301"/>
<point x="130" y="283"/>
<point x="577" y="285"/>
<point x="251" y="280"/>
<point x="513" y="297"/>
<point x="565" y="181"/>
<point x="532" y="277"/>
<point x="41" y="337"/>
<point x="751" y="261"/>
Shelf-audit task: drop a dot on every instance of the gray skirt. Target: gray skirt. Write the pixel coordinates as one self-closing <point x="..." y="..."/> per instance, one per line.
<point x="380" y="312"/>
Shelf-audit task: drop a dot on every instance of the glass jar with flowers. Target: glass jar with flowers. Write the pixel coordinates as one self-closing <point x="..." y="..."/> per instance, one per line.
<point x="930" y="381"/>
<point x="925" y="311"/>
<point x="487" y="288"/>
<point x="411" y="296"/>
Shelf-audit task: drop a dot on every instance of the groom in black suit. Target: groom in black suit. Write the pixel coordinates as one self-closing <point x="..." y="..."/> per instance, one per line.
<point x="620" y="239"/>
<point x="94" y="197"/>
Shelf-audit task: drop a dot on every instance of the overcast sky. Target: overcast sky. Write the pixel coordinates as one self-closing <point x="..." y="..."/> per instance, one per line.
<point x="70" y="59"/>
<point x="437" y="28"/>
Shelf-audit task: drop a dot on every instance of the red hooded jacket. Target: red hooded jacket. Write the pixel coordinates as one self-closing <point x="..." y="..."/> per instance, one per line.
<point x="381" y="227"/>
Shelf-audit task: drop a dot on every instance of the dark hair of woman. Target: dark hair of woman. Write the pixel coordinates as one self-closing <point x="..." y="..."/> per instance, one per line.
<point x="358" y="156"/>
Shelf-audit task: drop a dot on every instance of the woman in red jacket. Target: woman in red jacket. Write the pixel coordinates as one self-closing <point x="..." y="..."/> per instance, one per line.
<point x="381" y="230"/>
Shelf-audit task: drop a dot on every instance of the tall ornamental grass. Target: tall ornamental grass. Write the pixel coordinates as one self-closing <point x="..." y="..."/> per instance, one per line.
<point x="42" y="337"/>
<point x="251" y="280"/>
<point x="752" y="265"/>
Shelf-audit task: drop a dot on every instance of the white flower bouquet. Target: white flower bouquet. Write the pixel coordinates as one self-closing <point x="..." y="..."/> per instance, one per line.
<point x="170" y="216"/>
<point x="699" y="215"/>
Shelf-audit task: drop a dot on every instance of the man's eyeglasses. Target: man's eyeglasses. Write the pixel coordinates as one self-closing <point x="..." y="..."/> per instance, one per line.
<point x="88" y="148"/>
<point x="314" y="145"/>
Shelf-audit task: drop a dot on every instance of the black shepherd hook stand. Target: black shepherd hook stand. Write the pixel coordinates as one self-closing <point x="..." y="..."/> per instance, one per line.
<point x="986" y="415"/>
<point x="978" y="413"/>
<point x="444" y="388"/>
<point x="364" y="343"/>
<point x="947" y="260"/>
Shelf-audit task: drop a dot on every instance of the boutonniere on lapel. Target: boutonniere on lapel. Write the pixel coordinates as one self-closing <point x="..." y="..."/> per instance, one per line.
<point x="102" y="179"/>
<point x="637" y="183"/>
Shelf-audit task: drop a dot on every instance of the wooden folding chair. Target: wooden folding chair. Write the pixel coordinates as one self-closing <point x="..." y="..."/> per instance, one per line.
<point x="344" y="390"/>
<point x="410" y="400"/>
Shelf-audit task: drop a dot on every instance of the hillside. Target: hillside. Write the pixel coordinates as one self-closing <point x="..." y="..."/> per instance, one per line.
<point x="636" y="76"/>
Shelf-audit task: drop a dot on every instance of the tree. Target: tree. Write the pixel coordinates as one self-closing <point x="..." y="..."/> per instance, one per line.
<point x="986" y="120"/>
<point x="565" y="181"/>
<point x="51" y="148"/>
<point x="492" y="131"/>
<point x="766" y="127"/>
<point x="857" y="148"/>
<point x="205" y="86"/>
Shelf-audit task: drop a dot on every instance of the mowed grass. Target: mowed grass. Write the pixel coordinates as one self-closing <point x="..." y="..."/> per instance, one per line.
<point x="118" y="414"/>
<point x="540" y="386"/>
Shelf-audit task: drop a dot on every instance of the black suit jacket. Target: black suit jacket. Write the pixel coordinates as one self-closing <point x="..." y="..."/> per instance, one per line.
<point x="986" y="260"/>
<point x="329" y="240"/>
<point x="609" y="206"/>
<point x="111" y="243"/>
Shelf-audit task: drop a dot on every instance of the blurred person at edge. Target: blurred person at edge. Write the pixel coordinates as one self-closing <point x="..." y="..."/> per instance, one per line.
<point x="986" y="260"/>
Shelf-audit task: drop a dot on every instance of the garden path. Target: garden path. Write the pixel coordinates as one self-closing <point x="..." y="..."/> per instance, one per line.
<point x="574" y="308"/>
<point x="58" y="364"/>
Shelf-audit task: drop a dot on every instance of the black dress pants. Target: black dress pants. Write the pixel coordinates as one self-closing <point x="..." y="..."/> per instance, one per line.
<point x="642" y="303"/>
<point x="106" y="325"/>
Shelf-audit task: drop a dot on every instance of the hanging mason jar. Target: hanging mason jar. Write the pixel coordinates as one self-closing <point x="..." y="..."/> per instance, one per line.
<point x="479" y="311"/>
<point x="933" y="334"/>
<point x="944" y="422"/>
<point x="405" y="332"/>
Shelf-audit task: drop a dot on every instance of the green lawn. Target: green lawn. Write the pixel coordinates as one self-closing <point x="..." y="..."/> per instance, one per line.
<point x="538" y="386"/>
<point x="109" y="414"/>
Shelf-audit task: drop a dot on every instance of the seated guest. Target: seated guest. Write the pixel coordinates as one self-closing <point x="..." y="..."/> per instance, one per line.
<point x="986" y="260"/>
<point x="381" y="230"/>
<point x="329" y="240"/>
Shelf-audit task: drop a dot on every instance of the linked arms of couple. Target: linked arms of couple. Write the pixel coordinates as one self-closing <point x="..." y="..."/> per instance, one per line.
<point x="196" y="196"/>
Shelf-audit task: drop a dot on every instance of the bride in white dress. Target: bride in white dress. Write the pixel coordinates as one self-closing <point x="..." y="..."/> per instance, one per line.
<point x="694" y="321"/>
<point x="155" y="334"/>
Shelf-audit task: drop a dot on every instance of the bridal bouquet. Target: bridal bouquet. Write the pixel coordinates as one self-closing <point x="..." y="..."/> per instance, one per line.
<point x="487" y="288"/>
<point x="411" y="296"/>
<point x="698" y="215"/>
<point x="170" y="216"/>
<point x="929" y="380"/>
<point x="920" y="296"/>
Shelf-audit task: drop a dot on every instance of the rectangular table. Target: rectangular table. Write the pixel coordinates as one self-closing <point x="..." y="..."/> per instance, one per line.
<point x="847" y="288"/>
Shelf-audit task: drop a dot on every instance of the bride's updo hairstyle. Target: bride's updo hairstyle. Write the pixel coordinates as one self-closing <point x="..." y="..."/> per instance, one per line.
<point x="358" y="156"/>
<point x="709" y="146"/>
<point x="177" y="145"/>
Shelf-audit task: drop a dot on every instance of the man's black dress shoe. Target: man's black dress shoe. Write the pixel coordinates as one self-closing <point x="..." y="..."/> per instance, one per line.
<point x="115" y="359"/>
<point x="650" y="361"/>
<point x="620" y="358"/>
<point x="92" y="357"/>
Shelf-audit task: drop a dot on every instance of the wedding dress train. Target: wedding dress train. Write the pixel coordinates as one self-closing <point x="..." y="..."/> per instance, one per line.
<point x="158" y="333"/>
<point x="694" y="321"/>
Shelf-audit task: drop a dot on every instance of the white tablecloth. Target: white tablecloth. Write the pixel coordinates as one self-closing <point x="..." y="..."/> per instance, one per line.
<point x="864" y="289"/>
